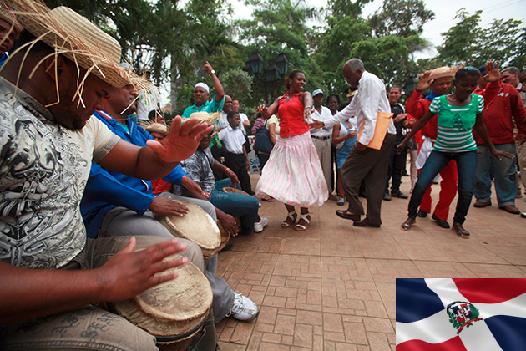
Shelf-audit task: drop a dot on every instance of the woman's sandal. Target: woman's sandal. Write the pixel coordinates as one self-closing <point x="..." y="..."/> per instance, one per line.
<point x="290" y="220"/>
<point x="408" y="223"/>
<point x="302" y="227"/>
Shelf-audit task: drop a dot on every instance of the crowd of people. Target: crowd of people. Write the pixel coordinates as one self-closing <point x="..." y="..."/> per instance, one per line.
<point x="89" y="168"/>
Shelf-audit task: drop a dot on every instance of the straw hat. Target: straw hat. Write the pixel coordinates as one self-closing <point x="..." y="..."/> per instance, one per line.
<point x="6" y="14"/>
<point x="157" y="128"/>
<point x="75" y="37"/>
<point x="443" y="72"/>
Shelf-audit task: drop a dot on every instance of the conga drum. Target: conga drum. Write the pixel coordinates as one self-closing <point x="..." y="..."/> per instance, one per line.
<point x="209" y="118"/>
<point x="174" y="312"/>
<point x="229" y="189"/>
<point x="196" y="226"/>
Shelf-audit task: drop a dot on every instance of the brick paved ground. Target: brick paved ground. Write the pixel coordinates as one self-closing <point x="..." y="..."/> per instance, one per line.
<point x="333" y="286"/>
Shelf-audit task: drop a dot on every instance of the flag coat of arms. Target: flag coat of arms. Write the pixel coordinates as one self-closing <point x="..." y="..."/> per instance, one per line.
<point x="457" y="314"/>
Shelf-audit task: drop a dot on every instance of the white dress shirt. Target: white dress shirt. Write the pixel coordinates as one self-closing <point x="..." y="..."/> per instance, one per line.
<point x="370" y="99"/>
<point x="233" y="139"/>
<point x="323" y="116"/>
<point x="222" y="122"/>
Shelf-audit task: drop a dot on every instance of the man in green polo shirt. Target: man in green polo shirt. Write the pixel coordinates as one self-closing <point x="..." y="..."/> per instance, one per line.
<point x="202" y="95"/>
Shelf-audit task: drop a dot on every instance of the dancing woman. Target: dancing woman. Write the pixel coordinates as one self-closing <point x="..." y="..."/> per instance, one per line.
<point x="458" y="115"/>
<point x="293" y="173"/>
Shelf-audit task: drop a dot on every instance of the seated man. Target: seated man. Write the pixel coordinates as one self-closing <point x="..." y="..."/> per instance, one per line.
<point x="199" y="167"/>
<point x="115" y="204"/>
<point x="50" y="289"/>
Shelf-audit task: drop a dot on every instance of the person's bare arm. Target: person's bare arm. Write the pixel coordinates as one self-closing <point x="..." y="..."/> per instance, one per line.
<point x="337" y="138"/>
<point x="221" y="168"/>
<point x="220" y="92"/>
<point x="157" y="159"/>
<point x="30" y="293"/>
<point x="272" y="133"/>
<point x="416" y="127"/>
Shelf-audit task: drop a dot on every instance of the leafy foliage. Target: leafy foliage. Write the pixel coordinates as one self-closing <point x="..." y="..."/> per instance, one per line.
<point x="173" y="38"/>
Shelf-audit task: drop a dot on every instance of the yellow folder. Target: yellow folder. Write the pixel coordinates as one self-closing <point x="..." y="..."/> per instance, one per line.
<point x="380" y="131"/>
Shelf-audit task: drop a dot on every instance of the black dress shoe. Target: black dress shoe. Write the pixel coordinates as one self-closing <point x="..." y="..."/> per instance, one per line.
<point x="421" y="214"/>
<point x="440" y="223"/>
<point x="399" y="194"/>
<point x="459" y="229"/>
<point x="365" y="223"/>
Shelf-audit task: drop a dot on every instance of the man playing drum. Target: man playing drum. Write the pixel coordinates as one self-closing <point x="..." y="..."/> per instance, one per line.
<point x="51" y="276"/>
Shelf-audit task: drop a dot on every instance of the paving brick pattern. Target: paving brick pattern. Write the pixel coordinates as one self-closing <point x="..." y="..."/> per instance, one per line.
<point x="333" y="287"/>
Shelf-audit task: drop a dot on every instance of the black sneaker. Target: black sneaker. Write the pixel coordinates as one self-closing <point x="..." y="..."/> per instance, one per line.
<point x="399" y="194"/>
<point x="421" y="214"/>
<point x="440" y="223"/>
<point x="387" y="196"/>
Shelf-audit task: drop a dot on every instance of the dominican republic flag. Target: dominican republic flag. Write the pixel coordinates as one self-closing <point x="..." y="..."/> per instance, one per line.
<point x="452" y="314"/>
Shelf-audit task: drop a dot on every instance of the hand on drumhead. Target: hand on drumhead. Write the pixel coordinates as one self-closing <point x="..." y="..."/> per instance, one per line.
<point x="164" y="206"/>
<point x="229" y="224"/>
<point x="129" y="273"/>
<point x="182" y="140"/>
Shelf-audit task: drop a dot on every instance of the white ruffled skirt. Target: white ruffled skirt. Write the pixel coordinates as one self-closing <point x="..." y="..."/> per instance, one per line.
<point x="293" y="173"/>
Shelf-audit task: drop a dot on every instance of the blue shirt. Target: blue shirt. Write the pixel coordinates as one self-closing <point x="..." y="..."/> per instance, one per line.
<point x="3" y="58"/>
<point x="106" y="190"/>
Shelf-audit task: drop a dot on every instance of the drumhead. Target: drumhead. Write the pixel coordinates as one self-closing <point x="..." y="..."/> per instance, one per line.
<point x="196" y="226"/>
<point x="187" y="297"/>
<point x="172" y="309"/>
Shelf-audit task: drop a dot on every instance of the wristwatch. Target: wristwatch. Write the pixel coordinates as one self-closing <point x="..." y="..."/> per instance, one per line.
<point x="213" y="71"/>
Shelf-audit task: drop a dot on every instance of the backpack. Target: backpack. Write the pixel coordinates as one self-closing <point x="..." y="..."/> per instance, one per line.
<point x="262" y="142"/>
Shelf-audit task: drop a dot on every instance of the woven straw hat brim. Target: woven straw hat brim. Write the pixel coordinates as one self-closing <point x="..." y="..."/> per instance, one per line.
<point x="443" y="72"/>
<point x="7" y="15"/>
<point x="75" y="37"/>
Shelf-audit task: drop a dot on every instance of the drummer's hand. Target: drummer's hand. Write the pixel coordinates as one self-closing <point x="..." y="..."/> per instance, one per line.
<point x="182" y="140"/>
<point x="129" y="273"/>
<point x="232" y="175"/>
<point x="164" y="206"/>
<point x="229" y="224"/>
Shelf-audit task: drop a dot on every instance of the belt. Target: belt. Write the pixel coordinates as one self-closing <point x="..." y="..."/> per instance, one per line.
<point x="327" y="137"/>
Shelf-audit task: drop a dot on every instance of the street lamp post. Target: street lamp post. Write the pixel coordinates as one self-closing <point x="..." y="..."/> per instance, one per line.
<point x="274" y="71"/>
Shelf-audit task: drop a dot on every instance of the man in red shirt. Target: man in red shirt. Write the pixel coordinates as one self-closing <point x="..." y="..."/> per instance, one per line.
<point x="439" y="81"/>
<point x="503" y="109"/>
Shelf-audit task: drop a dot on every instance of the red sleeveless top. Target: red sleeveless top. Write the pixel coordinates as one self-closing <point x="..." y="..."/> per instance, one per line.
<point x="291" y="117"/>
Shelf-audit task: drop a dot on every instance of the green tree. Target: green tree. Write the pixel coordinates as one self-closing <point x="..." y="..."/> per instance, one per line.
<point x="461" y="43"/>
<point x="401" y="17"/>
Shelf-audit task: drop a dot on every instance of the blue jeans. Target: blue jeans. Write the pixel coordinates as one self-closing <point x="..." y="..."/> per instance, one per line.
<point x="466" y="164"/>
<point x="503" y="172"/>
<point x="237" y="205"/>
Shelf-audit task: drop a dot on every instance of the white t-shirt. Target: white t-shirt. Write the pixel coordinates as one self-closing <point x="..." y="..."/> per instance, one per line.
<point x="43" y="171"/>
<point x="323" y="116"/>
<point x="147" y="101"/>
<point x="233" y="139"/>
<point x="244" y="118"/>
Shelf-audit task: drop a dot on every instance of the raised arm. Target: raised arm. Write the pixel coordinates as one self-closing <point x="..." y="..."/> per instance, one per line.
<point x="157" y="159"/>
<point x="217" y="83"/>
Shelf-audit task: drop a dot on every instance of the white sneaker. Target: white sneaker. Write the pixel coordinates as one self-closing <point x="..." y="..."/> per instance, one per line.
<point x="259" y="226"/>
<point x="244" y="309"/>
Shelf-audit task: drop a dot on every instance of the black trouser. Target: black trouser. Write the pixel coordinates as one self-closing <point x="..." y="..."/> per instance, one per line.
<point x="369" y="166"/>
<point x="263" y="158"/>
<point x="238" y="163"/>
<point x="397" y="164"/>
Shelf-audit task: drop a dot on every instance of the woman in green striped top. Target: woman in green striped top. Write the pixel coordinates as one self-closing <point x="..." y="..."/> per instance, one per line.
<point x="458" y="115"/>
